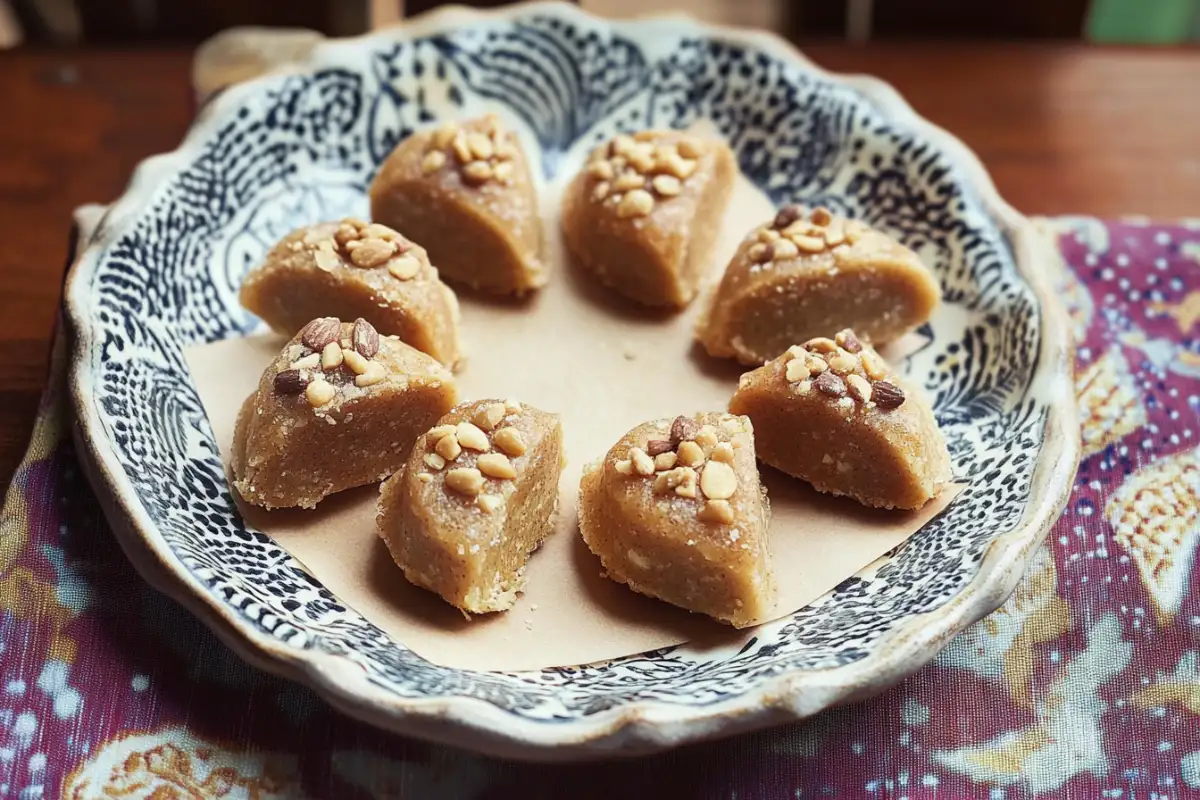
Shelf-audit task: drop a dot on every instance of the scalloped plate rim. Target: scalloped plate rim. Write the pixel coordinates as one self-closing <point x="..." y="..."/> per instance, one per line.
<point x="641" y="726"/>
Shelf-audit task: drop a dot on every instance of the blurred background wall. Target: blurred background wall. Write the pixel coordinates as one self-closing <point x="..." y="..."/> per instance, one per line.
<point x="129" y="21"/>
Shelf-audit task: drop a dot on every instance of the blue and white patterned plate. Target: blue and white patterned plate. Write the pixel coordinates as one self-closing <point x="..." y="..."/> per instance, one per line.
<point x="162" y="269"/>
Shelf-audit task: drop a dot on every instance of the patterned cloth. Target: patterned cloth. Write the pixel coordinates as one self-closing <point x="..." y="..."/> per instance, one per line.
<point x="1086" y="684"/>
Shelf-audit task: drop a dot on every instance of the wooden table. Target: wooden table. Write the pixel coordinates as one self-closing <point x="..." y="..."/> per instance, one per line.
<point x="1063" y="129"/>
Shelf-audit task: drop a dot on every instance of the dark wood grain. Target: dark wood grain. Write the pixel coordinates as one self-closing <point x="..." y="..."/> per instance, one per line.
<point x="1063" y="129"/>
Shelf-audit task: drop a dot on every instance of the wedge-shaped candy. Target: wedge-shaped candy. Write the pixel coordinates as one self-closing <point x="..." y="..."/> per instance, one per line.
<point x="645" y="210"/>
<point x="351" y="269"/>
<point x="800" y="276"/>
<point x="340" y="407"/>
<point x="465" y="192"/>
<point x="834" y="414"/>
<point x="475" y="499"/>
<point x="676" y="511"/>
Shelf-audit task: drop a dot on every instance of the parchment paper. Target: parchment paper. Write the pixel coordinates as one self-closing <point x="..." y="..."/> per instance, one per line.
<point x="577" y="350"/>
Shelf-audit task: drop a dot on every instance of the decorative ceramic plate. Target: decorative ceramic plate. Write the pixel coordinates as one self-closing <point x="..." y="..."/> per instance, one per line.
<point x="162" y="270"/>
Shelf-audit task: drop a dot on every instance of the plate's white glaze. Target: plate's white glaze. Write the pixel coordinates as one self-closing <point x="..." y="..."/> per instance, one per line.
<point x="162" y="270"/>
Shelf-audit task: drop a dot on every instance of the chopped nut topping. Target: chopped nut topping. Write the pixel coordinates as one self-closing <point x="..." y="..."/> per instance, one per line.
<point x="679" y="167"/>
<point x="477" y="172"/>
<point x="490" y="415"/>
<point x="786" y="216"/>
<point x="319" y="392"/>
<point x="496" y="465"/>
<point x="424" y="477"/>
<point x="404" y="267"/>
<point x="439" y="432"/>
<point x="821" y="216"/>
<point x="873" y="365"/>
<point x="761" y="253"/>
<point x="326" y="260"/>
<point x="630" y="180"/>
<point x="683" y="428"/>
<point x="510" y="441"/>
<point x="448" y="447"/>
<point x="809" y="244"/>
<point x="472" y="438"/>
<point x="309" y="361"/>
<point x="664" y="461"/>
<point x="821" y="344"/>
<point x="465" y="480"/>
<point x="816" y="365"/>
<point x="860" y="388"/>
<point x="321" y="332"/>
<point x="848" y="341"/>
<point x="624" y="466"/>
<point x="656" y="446"/>
<point x="797" y="371"/>
<point x="489" y="502"/>
<point x="706" y="437"/>
<point x="600" y="191"/>
<point x="803" y="387"/>
<point x="374" y="374"/>
<point x="667" y="185"/>
<point x="480" y="145"/>
<point x="723" y="452"/>
<point x="689" y="148"/>
<point x="513" y="406"/>
<point x="888" y="395"/>
<point x="371" y="253"/>
<point x="843" y="363"/>
<point x="365" y="338"/>
<point x="433" y="161"/>
<point x="600" y="170"/>
<point x="290" y="381"/>
<point x="784" y="249"/>
<point x="830" y="384"/>
<point x="434" y="460"/>
<point x="642" y="463"/>
<point x="331" y="356"/>
<point x="504" y="172"/>
<point x="834" y="236"/>
<point x="718" y="481"/>
<point x="357" y="363"/>
<point x="621" y="145"/>
<point x="445" y="134"/>
<point x="681" y="479"/>
<point x="690" y="454"/>
<point x="718" y="511"/>
<point x="767" y="235"/>
<point x="638" y="203"/>
<point x="462" y="150"/>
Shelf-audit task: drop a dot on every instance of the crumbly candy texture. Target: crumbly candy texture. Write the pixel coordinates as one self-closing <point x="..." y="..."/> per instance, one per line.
<point x="351" y="269"/>
<point x="689" y="528"/>
<point x="644" y="212"/>
<point x="838" y="417"/>
<point x="475" y="499"/>
<point x="312" y="429"/>
<point x="464" y="190"/>
<point x="806" y="273"/>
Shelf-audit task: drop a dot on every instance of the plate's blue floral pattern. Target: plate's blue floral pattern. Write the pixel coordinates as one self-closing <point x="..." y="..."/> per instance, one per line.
<point x="294" y="148"/>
